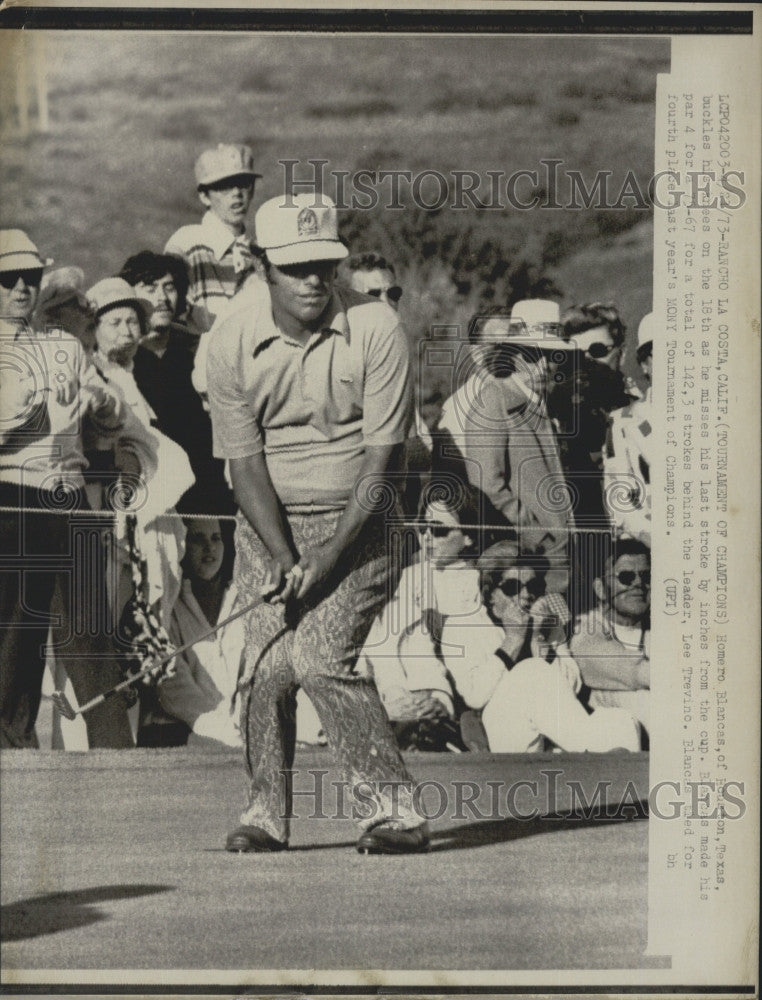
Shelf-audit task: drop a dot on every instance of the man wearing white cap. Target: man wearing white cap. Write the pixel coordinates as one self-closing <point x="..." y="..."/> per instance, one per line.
<point x="217" y="249"/>
<point x="49" y="393"/>
<point x="627" y="457"/>
<point x="508" y="440"/>
<point x="310" y="398"/>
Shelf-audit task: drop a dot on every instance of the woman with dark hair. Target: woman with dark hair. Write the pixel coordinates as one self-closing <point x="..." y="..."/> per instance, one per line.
<point x="200" y="694"/>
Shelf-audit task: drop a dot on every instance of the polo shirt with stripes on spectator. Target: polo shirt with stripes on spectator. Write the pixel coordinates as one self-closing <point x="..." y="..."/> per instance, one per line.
<point x="207" y="248"/>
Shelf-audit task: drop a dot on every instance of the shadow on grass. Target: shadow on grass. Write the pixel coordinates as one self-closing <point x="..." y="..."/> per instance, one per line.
<point x="486" y="832"/>
<point x="62" y="911"/>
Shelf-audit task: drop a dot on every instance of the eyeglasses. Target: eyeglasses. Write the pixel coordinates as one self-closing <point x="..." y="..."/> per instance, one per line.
<point x="30" y="276"/>
<point x="599" y="350"/>
<point x="512" y="587"/>
<point x="627" y="577"/>
<point x="394" y="294"/>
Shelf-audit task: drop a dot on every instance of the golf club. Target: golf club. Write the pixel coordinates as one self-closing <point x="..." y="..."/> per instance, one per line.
<point x="64" y="706"/>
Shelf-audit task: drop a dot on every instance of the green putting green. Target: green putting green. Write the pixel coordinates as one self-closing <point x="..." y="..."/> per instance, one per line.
<point x="114" y="860"/>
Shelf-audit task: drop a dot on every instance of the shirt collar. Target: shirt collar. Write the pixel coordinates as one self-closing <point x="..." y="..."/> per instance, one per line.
<point x="219" y="238"/>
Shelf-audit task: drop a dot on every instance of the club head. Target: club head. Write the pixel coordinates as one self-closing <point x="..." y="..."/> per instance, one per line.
<point x="62" y="704"/>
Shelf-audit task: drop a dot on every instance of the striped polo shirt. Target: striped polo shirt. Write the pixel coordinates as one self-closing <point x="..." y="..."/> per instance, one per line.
<point x="207" y="248"/>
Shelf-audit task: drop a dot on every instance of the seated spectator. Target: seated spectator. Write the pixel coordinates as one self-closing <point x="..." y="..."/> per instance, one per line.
<point x="585" y="391"/>
<point x="611" y="643"/>
<point x="200" y="695"/>
<point x="373" y="275"/>
<point x="489" y="625"/>
<point x="163" y="368"/>
<point x="402" y="647"/>
<point x="627" y="460"/>
<point x="62" y="305"/>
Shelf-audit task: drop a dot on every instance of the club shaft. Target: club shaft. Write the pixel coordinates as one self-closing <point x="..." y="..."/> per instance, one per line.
<point x="99" y="699"/>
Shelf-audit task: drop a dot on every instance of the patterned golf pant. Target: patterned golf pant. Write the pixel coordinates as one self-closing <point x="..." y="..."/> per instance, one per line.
<point x="315" y="644"/>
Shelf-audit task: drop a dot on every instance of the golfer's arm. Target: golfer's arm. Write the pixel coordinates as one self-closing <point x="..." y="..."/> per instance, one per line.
<point x="371" y="490"/>
<point x="255" y="495"/>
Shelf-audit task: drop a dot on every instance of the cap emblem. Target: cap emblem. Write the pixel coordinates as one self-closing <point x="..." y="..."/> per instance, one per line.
<point x="307" y="223"/>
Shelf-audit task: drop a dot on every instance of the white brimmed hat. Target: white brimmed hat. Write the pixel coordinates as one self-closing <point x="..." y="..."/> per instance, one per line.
<point x="224" y="160"/>
<point x="18" y="253"/>
<point x="646" y="330"/>
<point x="108" y="293"/>
<point x="299" y="229"/>
<point x="536" y="323"/>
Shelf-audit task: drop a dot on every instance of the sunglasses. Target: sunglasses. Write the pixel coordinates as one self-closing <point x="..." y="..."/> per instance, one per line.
<point x="30" y="276"/>
<point x="394" y="294"/>
<point x="245" y="181"/>
<point x="599" y="350"/>
<point x="437" y="529"/>
<point x="627" y="577"/>
<point x="513" y="587"/>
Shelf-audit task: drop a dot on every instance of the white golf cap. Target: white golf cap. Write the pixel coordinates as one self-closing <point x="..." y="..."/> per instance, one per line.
<point x="224" y="160"/>
<point x="537" y="323"/>
<point x="18" y="253"/>
<point x="299" y="228"/>
<point x="646" y="330"/>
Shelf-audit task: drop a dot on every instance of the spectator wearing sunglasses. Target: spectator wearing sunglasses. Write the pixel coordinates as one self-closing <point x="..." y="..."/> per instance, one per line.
<point x="402" y="650"/>
<point x="611" y="643"/>
<point x="50" y="395"/>
<point x="373" y="275"/>
<point x="587" y="389"/>
<point x="627" y="459"/>
<point x="217" y="250"/>
<point x="506" y="437"/>
<point x="503" y="643"/>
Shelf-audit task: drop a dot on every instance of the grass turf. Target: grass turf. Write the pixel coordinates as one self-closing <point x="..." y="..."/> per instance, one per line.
<point x="114" y="860"/>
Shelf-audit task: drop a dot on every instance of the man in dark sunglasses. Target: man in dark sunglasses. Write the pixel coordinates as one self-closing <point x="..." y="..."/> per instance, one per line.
<point x="611" y="644"/>
<point x="373" y="275"/>
<point x="50" y="396"/>
<point x="504" y="433"/>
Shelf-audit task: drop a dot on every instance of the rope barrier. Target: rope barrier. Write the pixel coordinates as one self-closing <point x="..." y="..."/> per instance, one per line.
<point x="419" y="523"/>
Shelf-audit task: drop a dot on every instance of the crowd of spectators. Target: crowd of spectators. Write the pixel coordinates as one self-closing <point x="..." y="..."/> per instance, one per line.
<point x="488" y="642"/>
